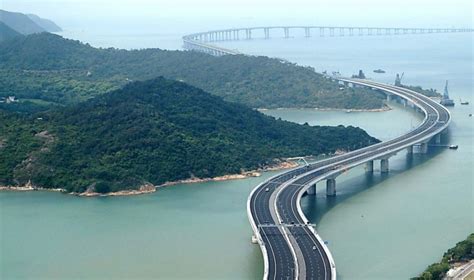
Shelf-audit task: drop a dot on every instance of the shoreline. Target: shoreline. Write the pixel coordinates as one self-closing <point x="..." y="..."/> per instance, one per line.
<point x="383" y="109"/>
<point x="247" y="174"/>
<point x="150" y="188"/>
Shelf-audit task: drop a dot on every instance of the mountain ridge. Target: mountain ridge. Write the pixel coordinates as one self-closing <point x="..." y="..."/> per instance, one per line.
<point x="27" y="24"/>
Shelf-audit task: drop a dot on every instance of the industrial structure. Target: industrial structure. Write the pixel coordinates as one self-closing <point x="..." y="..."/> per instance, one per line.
<point x="445" y="100"/>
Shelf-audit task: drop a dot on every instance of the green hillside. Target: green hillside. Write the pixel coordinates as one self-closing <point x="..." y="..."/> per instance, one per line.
<point x="6" y="32"/>
<point x="20" y="23"/>
<point x="46" y="24"/>
<point x="50" y="68"/>
<point x="153" y="131"/>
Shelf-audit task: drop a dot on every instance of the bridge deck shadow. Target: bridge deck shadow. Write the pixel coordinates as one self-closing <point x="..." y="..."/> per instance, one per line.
<point x="316" y="206"/>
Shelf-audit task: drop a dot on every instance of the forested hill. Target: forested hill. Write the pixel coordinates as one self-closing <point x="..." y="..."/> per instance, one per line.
<point x="6" y="33"/>
<point x="47" y="69"/>
<point x="153" y="131"/>
<point x="27" y="24"/>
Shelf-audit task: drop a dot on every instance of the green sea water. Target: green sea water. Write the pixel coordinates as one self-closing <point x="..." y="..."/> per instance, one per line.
<point x="377" y="227"/>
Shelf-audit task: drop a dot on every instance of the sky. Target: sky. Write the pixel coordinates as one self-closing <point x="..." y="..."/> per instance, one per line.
<point x="228" y="13"/>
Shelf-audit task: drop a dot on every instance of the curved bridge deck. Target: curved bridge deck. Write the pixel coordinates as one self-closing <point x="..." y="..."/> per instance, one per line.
<point x="291" y="247"/>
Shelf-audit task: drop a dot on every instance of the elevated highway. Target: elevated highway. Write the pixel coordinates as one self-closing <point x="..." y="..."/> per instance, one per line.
<point x="204" y="41"/>
<point x="290" y="245"/>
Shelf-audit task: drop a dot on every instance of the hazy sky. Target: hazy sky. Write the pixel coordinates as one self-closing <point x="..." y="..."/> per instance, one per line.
<point x="421" y="13"/>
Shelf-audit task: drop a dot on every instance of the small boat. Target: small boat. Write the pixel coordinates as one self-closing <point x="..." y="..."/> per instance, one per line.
<point x="453" y="147"/>
<point x="380" y="71"/>
<point x="463" y="102"/>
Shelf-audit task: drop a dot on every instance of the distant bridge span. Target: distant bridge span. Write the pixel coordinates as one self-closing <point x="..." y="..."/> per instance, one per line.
<point x="203" y="41"/>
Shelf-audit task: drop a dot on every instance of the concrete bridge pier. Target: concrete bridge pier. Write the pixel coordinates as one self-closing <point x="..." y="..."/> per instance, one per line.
<point x="384" y="165"/>
<point x="331" y="187"/>
<point x="404" y="102"/>
<point x="389" y="97"/>
<point x="423" y="148"/>
<point x="248" y="34"/>
<point x="437" y="138"/>
<point x="311" y="190"/>
<point x="286" y="30"/>
<point x="410" y="150"/>
<point x="369" y="166"/>
<point x="266" y="31"/>
<point x="307" y="32"/>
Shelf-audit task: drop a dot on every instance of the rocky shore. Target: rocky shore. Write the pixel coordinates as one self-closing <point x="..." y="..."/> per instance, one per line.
<point x="253" y="173"/>
<point x="150" y="188"/>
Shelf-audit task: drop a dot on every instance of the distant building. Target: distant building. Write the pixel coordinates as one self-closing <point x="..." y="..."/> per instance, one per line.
<point x="10" y="99"/>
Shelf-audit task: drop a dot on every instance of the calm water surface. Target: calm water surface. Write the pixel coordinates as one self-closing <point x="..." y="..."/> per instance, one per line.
<point x="377" y="227"/>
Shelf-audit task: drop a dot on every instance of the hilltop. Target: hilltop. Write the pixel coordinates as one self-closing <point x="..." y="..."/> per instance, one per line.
<point x="27" y="24"/>
<point x="70" y="71"/>
<point x="153" y="132"/>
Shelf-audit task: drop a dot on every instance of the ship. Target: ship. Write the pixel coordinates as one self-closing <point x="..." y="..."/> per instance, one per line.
<point x="445" y="100"/>
<point x="380" y="71"/>
<point x="463" y="102"/>
<point x="453" y="147"/>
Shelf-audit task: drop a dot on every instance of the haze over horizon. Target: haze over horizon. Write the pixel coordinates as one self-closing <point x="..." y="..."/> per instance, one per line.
<point x="218" y="14"/>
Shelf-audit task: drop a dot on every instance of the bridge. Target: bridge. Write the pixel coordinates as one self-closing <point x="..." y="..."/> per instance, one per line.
<point x="291" y="247"/>
<point x="203" y="41"/>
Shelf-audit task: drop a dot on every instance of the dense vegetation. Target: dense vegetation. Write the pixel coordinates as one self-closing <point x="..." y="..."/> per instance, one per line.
<point x="6" y="33"/>
<point x="153" y="131"/>
<point x="463" y="251"/>
<point x="428" y="92"/>
<point x="52" y="69"/>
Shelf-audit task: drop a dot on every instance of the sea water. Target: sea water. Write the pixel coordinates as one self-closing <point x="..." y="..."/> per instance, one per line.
<point x="377" y="227"/>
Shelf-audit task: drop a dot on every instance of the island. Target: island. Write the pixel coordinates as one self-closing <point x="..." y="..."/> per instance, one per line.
<point x="151" y="133"/>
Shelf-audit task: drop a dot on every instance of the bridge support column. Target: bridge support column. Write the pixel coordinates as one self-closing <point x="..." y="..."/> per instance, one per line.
<point x="384" y="165"/>
<point x="311" y="190"/>
<point x="389" y="97"/>
<point x="437" y="138"/>
<point x="423" y="148"/>
<point x="369" y="166"/>
<point x="331" y="187"/>
<point x="286" y="30"/>
<point x="307" y="32"/>
<point x="410" y="150"/>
